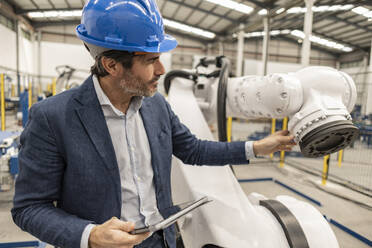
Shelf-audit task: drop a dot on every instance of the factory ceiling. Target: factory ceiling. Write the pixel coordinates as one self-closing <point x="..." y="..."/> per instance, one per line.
<point x="339" y="26"/>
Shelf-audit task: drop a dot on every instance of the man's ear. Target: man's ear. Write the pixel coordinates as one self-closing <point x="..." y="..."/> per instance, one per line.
<point x="110" y="65"/>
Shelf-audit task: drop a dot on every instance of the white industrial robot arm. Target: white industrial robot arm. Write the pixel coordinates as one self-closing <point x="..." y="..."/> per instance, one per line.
<point x="317" y="101"/>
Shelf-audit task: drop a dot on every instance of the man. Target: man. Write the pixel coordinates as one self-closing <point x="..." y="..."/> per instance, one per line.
<point x="95" y="160"/>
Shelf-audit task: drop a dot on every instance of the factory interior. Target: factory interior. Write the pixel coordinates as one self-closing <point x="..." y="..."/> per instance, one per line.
<point x="242" y="70"/>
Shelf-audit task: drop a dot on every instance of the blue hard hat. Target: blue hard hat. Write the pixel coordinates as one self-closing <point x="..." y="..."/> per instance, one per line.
<point x="128" y="25"/>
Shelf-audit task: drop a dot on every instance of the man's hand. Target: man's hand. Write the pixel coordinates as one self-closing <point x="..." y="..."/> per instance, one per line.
<point x="114" y="233"/>
<point x="279" y="141"/>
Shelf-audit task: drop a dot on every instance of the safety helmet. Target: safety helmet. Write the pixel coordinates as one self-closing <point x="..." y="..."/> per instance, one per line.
<point x="127" y="25"/>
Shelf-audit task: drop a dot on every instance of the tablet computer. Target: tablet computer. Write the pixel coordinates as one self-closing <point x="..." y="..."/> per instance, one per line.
<point x="173" y="218"/>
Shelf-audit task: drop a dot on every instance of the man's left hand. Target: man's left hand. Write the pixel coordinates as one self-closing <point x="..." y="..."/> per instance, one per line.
<point x="279" y="141"/>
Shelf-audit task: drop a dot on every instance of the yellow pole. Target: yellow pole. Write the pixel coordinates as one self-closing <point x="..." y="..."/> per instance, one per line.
<point x="29" y="95"/>
<point x="2" y="103"/>
<point x="340" y="155"/>
<point x="273" y="122"/>
<point x="325" y="169"/>
<point x="54" y="87"/>
<point x="282" y="153"/>
<point x="229" y="127"/>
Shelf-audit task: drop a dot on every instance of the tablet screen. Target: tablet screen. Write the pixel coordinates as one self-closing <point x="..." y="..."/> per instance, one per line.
<point x="184" y="208"/>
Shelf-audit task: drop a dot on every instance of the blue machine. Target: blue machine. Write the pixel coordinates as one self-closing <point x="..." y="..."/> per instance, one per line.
<point x="23" y="100"/>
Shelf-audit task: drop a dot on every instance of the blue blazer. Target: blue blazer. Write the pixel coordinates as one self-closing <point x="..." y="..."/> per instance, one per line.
<point x="69" y="175"/>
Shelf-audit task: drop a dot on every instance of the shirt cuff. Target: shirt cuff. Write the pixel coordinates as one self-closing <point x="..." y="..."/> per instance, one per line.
<point x="85" y="236"/>
<point x="249" y="153"/>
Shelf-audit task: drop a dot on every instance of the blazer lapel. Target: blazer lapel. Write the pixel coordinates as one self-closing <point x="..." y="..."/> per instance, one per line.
<point x="91" y="115"/>
<point x="148" y="119"/>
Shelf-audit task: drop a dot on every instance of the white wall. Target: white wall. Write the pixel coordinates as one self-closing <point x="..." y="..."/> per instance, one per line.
<point x="7" y="48"/>
<point x="254" y="67"/>
<point x="55" y="54"/>
<point x="27" y="55"/>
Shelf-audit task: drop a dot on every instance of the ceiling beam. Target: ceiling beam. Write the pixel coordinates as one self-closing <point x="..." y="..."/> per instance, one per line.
<point x="355" y="24"/>
<point x="364" y="40"/>
<point x="361" y="36"/>
<point x="33" y="3"/>
<point x="177" y="10"/>
<point x="193" y="11"/>
<point x="52" y="4"/>
<point x="342" y="36"/>
<point x="68" y="4"/>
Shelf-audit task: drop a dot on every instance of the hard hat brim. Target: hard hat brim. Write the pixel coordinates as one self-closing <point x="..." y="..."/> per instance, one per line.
<point x="168" y="44"/>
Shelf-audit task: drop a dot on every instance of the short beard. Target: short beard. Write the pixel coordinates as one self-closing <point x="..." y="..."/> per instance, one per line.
<point x="135" y="86"/>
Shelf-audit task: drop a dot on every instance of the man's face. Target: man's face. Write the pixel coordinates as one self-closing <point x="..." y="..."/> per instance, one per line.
<point x="141" y="79"/>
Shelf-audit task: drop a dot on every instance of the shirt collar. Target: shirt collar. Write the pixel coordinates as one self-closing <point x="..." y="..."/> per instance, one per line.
<point x="134" y="105"/>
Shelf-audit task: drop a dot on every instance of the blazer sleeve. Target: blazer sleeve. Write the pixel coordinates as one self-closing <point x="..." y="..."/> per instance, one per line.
<point x="39" y="186"/>
<point x="192" y="150"/>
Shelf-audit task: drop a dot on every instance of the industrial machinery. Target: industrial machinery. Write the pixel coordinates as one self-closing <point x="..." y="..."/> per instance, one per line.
<point x="67" y="78"/>
<point x="8" y="159"/>
<point x="317" y="101"/>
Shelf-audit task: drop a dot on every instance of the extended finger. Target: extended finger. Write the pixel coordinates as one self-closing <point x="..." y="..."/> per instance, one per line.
<point x="122" y="225"/>
<point x="282" y="132"/>
<point x="286" y="140"/>
<point x="129" y="239"/>
<point x="285" y="148"/>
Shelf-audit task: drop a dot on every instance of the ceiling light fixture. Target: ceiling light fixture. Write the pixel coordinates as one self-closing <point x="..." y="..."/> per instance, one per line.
<point x="322" y="41"/>
<point x="189" y="29"/>
<point x="322" y="8"/>
<point x="281" y="10"/>
<point x="363" y="11"/>
<point x="55" y="14"/>
<point x="301" y="35"/>
<point x="233" y="5"/>
<point x="262" y="12"/>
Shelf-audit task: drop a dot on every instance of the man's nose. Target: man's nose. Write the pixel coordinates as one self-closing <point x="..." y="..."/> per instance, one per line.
<point x="160" y="70"/>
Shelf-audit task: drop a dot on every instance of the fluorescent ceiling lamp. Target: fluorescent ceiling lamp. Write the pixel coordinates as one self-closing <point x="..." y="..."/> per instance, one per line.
<point x="363" y="11"/>
<point x="321" y="41"/>
<point x="46" y="14"/>
<point x="280" y="10"/>
<point x="233" y="5"/>
<point x="260" y="34"/>
<point x="322" y="8"/>
<point x="188" y="29"/>
<point x="262" y="12"/>
<point x="299" y="34"/>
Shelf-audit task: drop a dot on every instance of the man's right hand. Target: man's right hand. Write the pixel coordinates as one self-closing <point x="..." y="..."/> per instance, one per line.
<point x="114" y="233"/>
